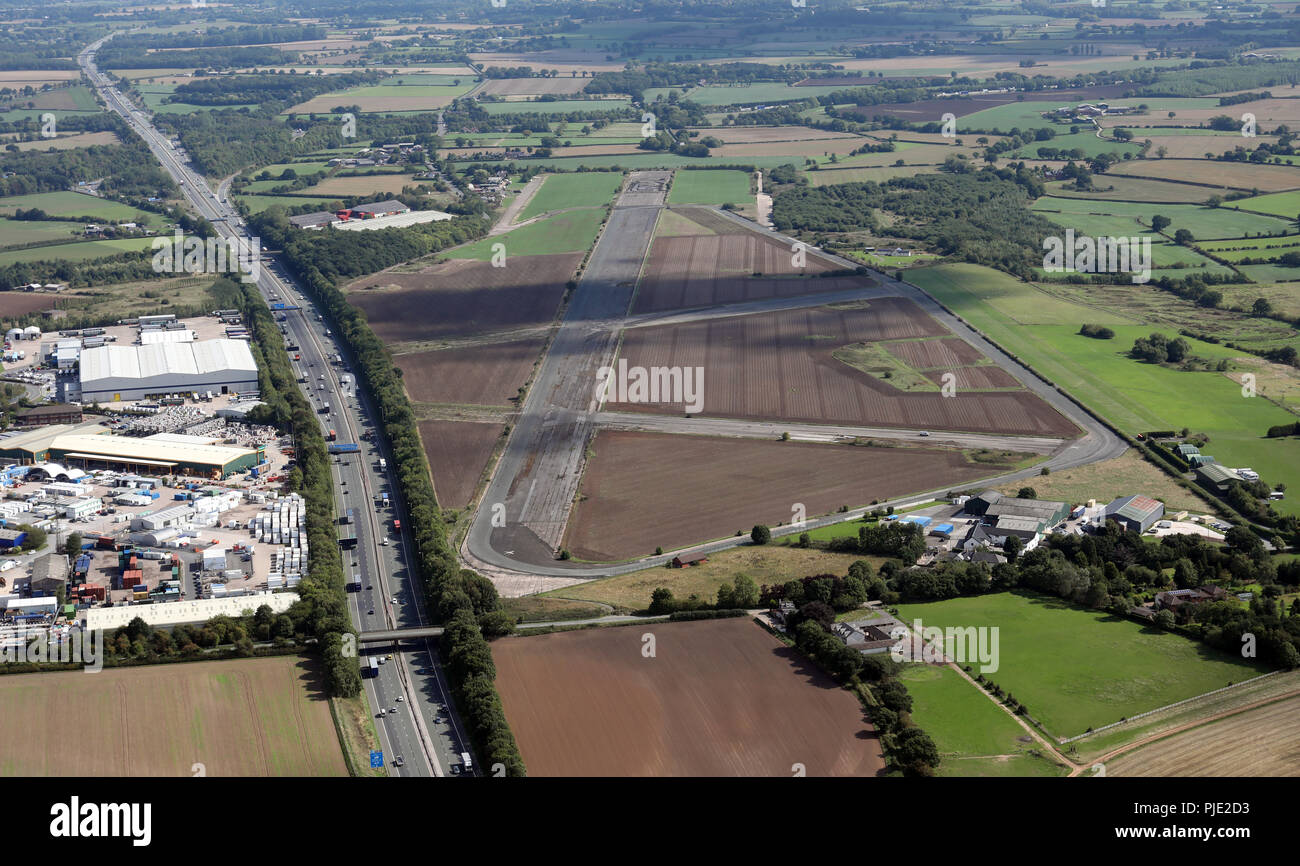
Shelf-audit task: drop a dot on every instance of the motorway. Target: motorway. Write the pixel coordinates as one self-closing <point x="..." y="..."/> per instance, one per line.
<point x="423" y="729"/>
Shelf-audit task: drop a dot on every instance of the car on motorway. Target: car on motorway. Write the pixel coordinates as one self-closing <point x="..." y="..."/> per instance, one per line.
<point x="386" y="542"/>
<point x="924" y="433"/>
<point x="401" y="698"/>
<point x="372" y="612"/>
<point x="390" y="656"/>
<point x="392" y="710"/>
<point x="400" y="761"/>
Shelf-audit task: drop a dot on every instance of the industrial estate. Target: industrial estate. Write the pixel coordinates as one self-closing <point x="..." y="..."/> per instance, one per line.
<point x="686" y="390"/>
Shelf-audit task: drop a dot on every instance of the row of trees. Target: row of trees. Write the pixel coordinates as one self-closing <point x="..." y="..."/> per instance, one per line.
<point x="322" y="610"/>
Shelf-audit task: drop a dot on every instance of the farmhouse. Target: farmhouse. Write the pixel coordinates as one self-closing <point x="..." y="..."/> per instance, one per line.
<point x="1176" y="598"/>
<point x="866" y="639"/>
<point x="779" y="614"/>
<point x="1138" y="513"/>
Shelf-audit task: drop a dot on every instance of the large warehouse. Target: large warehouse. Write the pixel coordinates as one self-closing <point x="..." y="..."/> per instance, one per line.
<point x="113" y="373"/>
<point x="90" y="446"/>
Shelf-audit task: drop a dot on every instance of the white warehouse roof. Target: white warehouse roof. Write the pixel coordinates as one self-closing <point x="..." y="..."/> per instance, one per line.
<point x="152" y="338"/>
<point x="129" y="372"/>
<point x="166" y="359"/>
<point x="178" y="612"/>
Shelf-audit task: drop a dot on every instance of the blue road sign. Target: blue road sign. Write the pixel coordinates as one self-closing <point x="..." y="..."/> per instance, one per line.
<point x="377" y="760"/>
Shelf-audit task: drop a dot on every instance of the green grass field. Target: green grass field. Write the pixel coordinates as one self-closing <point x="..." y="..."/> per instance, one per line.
<point x="1087" y="142"/>
<point x="259" y="203"/>
<point x="1028" y="115"/>
<point x="1284" y="204"/>
<point x="75" y="204"/>
<point x="975" y="737"/>
<point x="559" y="106"/>
<point x="153" y="95"/>
<point x="1123" y="218"/>
<point x="762" y="92"/>
<point x="562" y="191"/>
<point x="16" y="232"/>
<point x="710" y="187"/>
<point x="1132" y="395"/>
<point x="75" y="252"/>
<point x="1076" y="669"/>
<point x="564" y="233"/>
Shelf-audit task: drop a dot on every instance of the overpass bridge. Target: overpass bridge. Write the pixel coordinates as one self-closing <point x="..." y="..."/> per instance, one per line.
<point x="394" y="635"/>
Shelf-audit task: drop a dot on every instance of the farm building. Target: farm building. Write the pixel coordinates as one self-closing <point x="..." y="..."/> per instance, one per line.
<point x="1186" y="451"/>
<point x="53" y="413"/>
<point x="1024" y="528"/>
<point x="1138" y="513"/>
<point x="866" y="639"/>
<point x="1216" y="476"/>
<point x="991" y="505"/>
<point x="115" y="373"/>
<point x="943" y="530"/>
<point x="685" y="559"/>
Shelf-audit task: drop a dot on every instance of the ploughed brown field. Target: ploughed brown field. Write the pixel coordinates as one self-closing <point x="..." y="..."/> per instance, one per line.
<point x="1261" y="742"/>
<point x="14" y="304"/>
<point x="463" y="296"/>
<point x="719" y="698"/>
<point x="246" y="717"/>
<point x="780" y="365"/>
<point x="701" y="270"/>
<point x="457" y="452"/>
<point x="488" y="375"/>
<point x="646" y="490"/>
